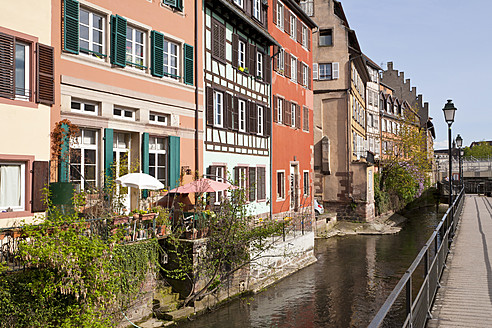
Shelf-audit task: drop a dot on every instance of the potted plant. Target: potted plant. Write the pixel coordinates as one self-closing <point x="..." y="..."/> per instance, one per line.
<point x="162" y="221"/>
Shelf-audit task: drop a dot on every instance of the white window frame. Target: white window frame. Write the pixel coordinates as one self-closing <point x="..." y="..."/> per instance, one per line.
<point x="241" y="53"/>
<point x="305" y="75"/>
<point x="305" y="38"/>
<point x="154" y="118"/>
<point x="154" y="141"/>
<point x="25" y="93"/>
<point x="83" y="147"/>
<point x="280" y="15"/>
<point x="293" y="26"/>
<point x="260" y="119"/>
<point x="280" y="193"/>
<point x="243" y="177"/>
<point x="257" y="9"/>
<point x="239" y="3"/>
<point x="242" y="115"/>
<point x="281" y="62"/>
<point x="280" y="109"/>
<point x="167" y="52"/>
<point x="220" y="177"/>
<point x="293" y="68"/>
<point x="325" y="77"/>
<point x="123" y="113"/>
<point x="83" y="104"/>
<point x="259" y="64"/>
<point x="92" y="29"/>
<point x="293" y="114"/>
<point x="218" y="109"/>
<point x="22" y="187"/>
<point x="305" y="183"/>
<point x="133" y="55"/>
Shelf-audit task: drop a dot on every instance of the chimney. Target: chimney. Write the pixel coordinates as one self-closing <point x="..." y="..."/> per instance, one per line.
<point x="389" y="66"/>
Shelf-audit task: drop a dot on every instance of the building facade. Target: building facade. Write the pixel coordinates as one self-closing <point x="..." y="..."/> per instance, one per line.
<point x="292" y="128"/>
<point x="372" y="104"/>
<point x="27" y="70"/>
<point x="127" y="80"/>
<point x="343" y="177"/>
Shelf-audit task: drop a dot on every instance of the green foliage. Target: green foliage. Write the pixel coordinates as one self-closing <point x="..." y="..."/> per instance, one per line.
<point x="481" y="151"/>
<point x="75" y="277"/>
<point x="381" y="198"/>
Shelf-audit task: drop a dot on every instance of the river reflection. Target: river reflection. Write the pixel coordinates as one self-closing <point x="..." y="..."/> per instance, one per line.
<point x="345" y="288"/>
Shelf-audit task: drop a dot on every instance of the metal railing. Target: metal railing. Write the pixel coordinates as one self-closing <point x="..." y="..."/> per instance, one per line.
<point x="408" y="305"/>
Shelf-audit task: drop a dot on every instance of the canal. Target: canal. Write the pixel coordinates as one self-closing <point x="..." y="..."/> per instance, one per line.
<point x="345" y="288"/>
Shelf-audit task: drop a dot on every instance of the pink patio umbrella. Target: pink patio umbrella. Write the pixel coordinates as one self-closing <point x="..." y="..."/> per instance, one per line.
<point x="202" y="185"/>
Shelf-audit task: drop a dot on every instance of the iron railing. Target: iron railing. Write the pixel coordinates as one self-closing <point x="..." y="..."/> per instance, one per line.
<point x="409" y="305"/>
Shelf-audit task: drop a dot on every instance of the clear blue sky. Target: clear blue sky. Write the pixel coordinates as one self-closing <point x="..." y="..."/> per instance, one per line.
<point x="443" y="46"/>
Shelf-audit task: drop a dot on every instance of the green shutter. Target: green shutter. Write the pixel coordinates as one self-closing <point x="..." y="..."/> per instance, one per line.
<point x="145" y="159"/>
<point x="188" y="64"/>
<point x="172" y="3"/>
<point x="179" y="5"/>
<point x="108" y="154"/>
<point x="118" y="40"/>
<point x="64" y="166"/>
<point x="174" y="161"/>
<point x="71" y="26"/>
<point x="157" y="53"/>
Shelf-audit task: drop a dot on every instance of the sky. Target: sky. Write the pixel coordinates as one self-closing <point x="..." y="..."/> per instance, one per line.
<point x="443" y="47"/>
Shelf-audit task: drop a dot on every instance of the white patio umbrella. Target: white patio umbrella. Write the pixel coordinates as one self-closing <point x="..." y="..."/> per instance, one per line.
<point x="140" y="181"/>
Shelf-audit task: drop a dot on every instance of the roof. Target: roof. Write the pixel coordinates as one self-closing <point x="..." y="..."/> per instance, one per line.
<point x="371" y="63"/>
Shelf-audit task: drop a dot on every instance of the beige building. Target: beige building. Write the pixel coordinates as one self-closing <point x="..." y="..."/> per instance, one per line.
<point x="343" y="177"/>
<point x="26" y="96"/>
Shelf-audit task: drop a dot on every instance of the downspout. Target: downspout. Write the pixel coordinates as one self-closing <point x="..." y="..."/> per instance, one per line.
<point x="271" y="133"/>
<point x="197" y="144"/>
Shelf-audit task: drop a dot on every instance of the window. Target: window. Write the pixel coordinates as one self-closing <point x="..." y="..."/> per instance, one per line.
<point x="239" y="3"/>
<point x="156" y="118"/>
<point x="219" y="176"/>
<point x="325" y="37"/>
<point x="325" y="72"/>
<point x="218" y="40"/>
<point x="83" y="160"/>
<point x="12" y="186"/>
<point x="308" y="7"/>
<point x="171" y="62"/>
<point x="280" y="109"/>
<point x="22" y="71"/>
<point x="241" y="177"/>
<point x="242" y="115"/>
<point x="305" y="180"/>
<point x="293" y="26"/>
<point x="259" y="64"/>
<point x="84" y="107"/>
<point x="158" y="159"/>
<point x="281" y="57"/>
<point x="91" y="33"/>
<point x="305" y="75"/>
<point x="280" y="184"/>
<point x="126" y="114"/>
<point x="305" y="36"/>
<point x="241" y="54"/>
<point x="218" y="108"/>
<point x="293" y="68"/>
<point x="135" y="47"/>
<point x="280" y="16"/>
<point x="305" y="119"/>
<point x="175" y="4"/>
<point x="260" y="120"/>
<point x="293" y="114"/>
<point x="257" y="9"/>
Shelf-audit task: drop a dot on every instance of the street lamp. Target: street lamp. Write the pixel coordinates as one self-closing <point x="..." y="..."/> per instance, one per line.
<point x="459" y="144"/>
<point x="449" y="111"/>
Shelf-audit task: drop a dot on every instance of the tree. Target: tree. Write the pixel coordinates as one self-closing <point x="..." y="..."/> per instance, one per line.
<point x="481" y="151"/>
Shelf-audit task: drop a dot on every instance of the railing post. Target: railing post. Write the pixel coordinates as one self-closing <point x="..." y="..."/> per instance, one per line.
<point x="408" y="298"/>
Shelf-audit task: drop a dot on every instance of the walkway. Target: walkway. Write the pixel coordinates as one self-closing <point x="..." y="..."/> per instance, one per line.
<point x="465" y="296"/>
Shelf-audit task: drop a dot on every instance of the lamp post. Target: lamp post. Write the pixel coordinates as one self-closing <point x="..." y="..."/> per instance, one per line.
<point x="449" y="111"/>
<point x="459" y="144"/>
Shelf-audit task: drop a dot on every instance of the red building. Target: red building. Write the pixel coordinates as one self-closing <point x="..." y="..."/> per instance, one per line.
<point x="292" y="108"/>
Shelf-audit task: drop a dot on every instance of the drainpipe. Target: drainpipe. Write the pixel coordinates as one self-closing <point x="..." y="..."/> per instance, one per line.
<point x="197" y="144"/>
<point x="271" y="133"/>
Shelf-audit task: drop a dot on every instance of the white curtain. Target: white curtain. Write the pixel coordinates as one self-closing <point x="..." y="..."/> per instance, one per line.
<point x="10" y="186"/>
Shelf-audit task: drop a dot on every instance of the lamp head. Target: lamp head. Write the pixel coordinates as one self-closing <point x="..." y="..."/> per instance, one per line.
<point x="459" y="141"/>
<point x="449" y="111"/>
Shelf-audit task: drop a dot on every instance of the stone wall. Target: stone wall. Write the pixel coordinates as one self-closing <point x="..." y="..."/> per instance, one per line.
<point x="141" y="309"/>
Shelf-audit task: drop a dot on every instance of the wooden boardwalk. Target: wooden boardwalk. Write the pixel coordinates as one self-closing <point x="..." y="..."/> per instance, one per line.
<point x="465" y="296"/>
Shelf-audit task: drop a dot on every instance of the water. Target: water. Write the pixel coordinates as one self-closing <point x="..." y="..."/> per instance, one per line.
<point x="345" y="288"/>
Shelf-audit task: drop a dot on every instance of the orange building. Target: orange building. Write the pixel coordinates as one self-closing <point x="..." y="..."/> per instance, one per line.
<point x="292" y="107"/>
<point x="127" y="77"/>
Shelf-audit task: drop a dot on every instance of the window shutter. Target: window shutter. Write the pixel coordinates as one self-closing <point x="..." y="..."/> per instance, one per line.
<point x="174" y="161"/>
<point x="287" y="64"/>
<point x="309" y="78"/>
<point x="118" y="41"/>
<point x="156" y="53"/>
<point x="40" y="180"/>
<point x="286" y="20"/>
<point x="188" y="64"/>
<point x="145" y="159"/>
<point x="235" y="111"/>
<point x="71" y="26"/>
<point x="210" y="105"/>
<point x="274" y="10"/>
<point x="276" y="54"/>
<point x="335" y="71"/>
<point x="7" y="61"/>
<point x="287" y="113"/>
<point x="236" y="175"/>
<point x="309" y="39"/>
<point x="179" y="5"/>
<point x="252" y="183"/>
<point x="64" y="159"/>
<point x="267" y="68"/>
<point x="108" y="155"/>
<point x="299" y="72"/>
<point x="228" y="111"/>
<point x="45" y="74"/>
<point x="268" y="122"/>
<point x="261" y="183"/>
<point x="253" y="119"/>
<point x="298" y="116"/>
<point x="252" y="59"/>
<point x="212" y="171"/>
<point x="235" y="55"/>
<point x="299" y="31"/>
<point x="315" y="71"/>
<point x="275" y="108"/>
